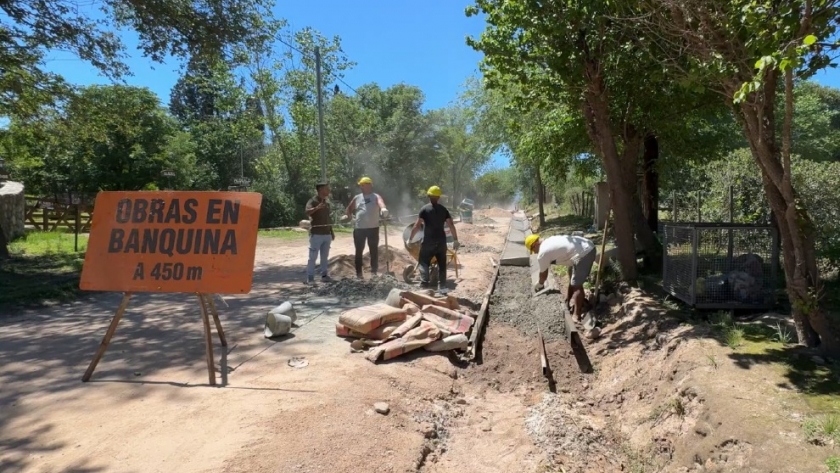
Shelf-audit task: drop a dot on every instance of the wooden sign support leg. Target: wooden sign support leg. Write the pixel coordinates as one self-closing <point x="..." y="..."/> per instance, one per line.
<point x="216" y="320"/>
<point x="208" y="341"/>
<point x="107" y="339"/>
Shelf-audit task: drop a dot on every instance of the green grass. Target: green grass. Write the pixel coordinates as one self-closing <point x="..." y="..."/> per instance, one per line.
<point x="43" y="268"/>
<point x="822" y="429"/>
<point x="47" y="243"/>
<point x="833" y="464"/>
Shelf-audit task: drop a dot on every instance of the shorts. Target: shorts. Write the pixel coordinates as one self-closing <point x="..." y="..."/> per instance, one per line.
<point x="581" y="270"/>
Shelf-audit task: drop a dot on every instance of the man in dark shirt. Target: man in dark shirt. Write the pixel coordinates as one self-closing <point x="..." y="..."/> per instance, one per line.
<point x="321" y="233"/>
<point x="433" y="217"/>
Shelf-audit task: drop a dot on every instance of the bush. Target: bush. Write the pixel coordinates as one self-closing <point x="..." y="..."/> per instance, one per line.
<point x="815" y="182"/>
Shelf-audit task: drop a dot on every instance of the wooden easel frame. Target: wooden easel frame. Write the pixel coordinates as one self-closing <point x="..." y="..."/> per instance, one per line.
<point x="205" y="301"/>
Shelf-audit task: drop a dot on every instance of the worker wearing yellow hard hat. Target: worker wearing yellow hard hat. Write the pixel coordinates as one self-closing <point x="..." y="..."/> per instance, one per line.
<point x="575" y="252"/>
<point x="366" y="209"/>
<point x="434" y="218"/>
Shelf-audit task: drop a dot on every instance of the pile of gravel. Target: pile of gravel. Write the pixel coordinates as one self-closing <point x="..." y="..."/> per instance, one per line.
<point x="512" y="302"/>
<point x="467" y="248"/>
<point x="351" y="288"/>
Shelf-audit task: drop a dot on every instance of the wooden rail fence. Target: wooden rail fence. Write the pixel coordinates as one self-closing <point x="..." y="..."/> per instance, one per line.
<point x="49" y="215"/>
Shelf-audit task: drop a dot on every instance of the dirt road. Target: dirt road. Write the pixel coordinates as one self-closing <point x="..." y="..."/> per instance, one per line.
<point x="148" y="408"/>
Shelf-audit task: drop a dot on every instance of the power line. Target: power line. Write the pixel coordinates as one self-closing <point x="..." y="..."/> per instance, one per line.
<point x="339" y="79"/>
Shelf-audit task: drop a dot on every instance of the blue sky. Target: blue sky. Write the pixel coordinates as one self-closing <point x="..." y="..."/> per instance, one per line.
<point x="420" y="43"/>
<point x="416" y="42"/>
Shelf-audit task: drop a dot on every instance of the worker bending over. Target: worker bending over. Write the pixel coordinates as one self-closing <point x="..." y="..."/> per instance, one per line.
<point x="433" y="216"/>
<point x="575" y="252"/>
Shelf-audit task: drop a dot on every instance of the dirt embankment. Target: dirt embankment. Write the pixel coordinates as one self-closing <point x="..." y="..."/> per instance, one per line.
<point x="665" y="396"/>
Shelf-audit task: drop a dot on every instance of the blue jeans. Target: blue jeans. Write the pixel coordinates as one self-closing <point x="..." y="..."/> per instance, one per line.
<point x="318" y="243"/>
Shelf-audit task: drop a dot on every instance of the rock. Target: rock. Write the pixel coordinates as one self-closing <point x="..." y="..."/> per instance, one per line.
<point x="382" y="408"/>
<point x="593" y="334"/>
<point x="461" y="401"/>
<point x="818" y="360"/>
<point x="602" y="298"/>
<point x="428" y="430"/>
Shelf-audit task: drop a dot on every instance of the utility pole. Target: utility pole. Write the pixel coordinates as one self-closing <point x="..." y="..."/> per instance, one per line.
<point x="320" y="113"/>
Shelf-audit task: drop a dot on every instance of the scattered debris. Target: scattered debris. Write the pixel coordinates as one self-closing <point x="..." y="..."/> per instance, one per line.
<point x="382" y="408"/>
<point x="408" y="321"/>
<point x="298" y="362"/>
<point x="376" y="287"/>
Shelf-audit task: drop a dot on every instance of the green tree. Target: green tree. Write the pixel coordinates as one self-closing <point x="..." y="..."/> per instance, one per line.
<point x="106" y="138"/>
<point x="749" y="50"/>
<point x="29" y="29"/>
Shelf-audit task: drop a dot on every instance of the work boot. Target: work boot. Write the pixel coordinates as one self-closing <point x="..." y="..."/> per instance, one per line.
<point x="326" y="278"/>
<point x="442" y="290"/>
<point x="425" y="284"/>
<point x="359" y="276"/>
<point x="310" y="280"/>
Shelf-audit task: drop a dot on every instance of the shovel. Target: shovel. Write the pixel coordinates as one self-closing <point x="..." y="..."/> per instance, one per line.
<point x="388" y="250"/>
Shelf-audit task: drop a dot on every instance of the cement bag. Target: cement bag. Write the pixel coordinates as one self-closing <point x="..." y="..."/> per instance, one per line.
<point x="448" y="320"/>
<point x="411" y="308"/>
<point x="276" y="325"/>
<point x="417" y="337"/>
<point x="409" y="324"/>
<point x="365" y="319"/>
<point x="383" y="332"/>
<point x="453" y="342"/>
<point x="286" y="309"/>
<point x="422" y="299"/>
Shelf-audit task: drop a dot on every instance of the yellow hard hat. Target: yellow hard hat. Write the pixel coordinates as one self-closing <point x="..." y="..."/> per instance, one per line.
<point x="530" y="240"/>
<point x="433" y="191"/>
<point x="365" y="180"/>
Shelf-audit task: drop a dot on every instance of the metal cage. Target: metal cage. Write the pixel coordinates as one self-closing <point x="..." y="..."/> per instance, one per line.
<point x="721" y="265"/>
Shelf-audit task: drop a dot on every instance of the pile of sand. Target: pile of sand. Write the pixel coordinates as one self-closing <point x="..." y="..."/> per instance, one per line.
<point x="344" y="266"/>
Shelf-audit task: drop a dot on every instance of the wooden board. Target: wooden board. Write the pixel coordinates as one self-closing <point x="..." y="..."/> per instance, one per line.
<point x="194" y="242"/>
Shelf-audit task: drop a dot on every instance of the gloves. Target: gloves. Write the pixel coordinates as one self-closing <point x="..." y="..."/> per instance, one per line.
<point x="538" y="287"/>
<point x="344" y="218"/>
<point x="456" y="245"/>
<point x="383" y="213"/>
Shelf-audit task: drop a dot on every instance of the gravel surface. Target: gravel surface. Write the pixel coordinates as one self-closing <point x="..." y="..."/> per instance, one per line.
<point x="512" y="303"/>
<point x="352" y="288"/>
<point x="468" y="248"/>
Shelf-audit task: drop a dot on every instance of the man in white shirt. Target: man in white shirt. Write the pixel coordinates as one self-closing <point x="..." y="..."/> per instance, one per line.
<point x="575" y="252"/>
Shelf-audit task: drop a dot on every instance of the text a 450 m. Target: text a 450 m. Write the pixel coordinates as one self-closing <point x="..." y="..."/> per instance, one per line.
<point x="169" y="271"/>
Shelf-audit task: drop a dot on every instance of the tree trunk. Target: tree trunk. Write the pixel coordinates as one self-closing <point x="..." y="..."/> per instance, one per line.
<point x="4" y="245"/>
<point x="540" y="197"/>
<point x="650" y="183"/>
<point x="795" y="225"/>
<point x="598" y="127"/>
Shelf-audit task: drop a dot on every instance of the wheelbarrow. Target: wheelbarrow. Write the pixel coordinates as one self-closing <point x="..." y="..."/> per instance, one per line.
<point x="413" y="249"/>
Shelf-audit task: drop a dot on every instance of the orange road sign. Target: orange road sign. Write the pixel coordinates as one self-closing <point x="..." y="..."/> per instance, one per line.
<point x="201" y="242"/>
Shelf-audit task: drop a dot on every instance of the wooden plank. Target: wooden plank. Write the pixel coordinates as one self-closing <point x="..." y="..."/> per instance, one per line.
<point x="107" y="338"/>
<point x="216" y="320"/>
<point x="578" y="349"/>
<point x="474" y="345"/>
<point x="208" y="342"/>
